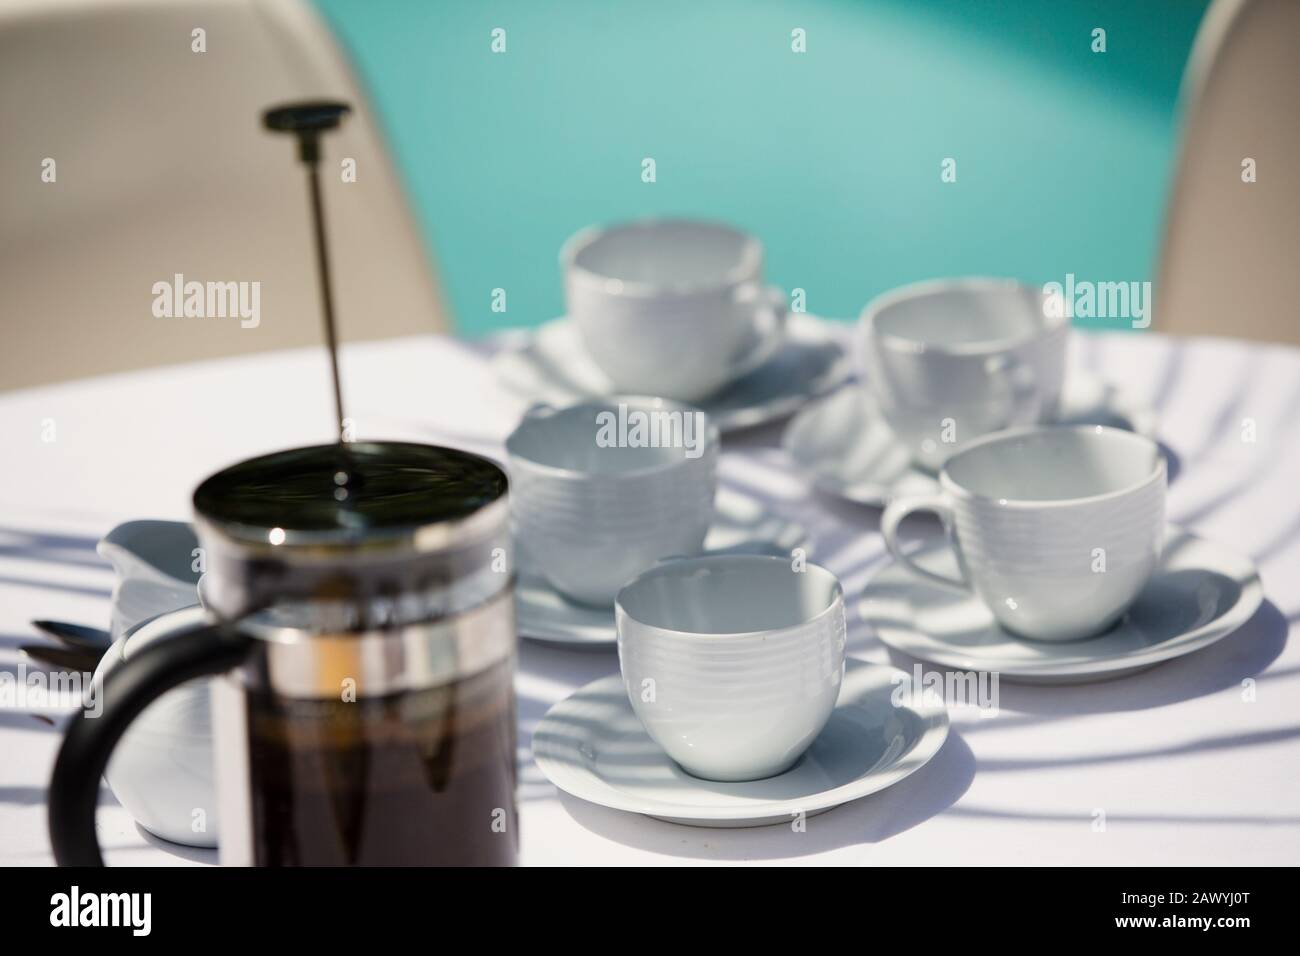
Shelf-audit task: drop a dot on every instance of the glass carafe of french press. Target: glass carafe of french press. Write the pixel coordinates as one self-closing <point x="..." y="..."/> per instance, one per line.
<point x="362" y="625"/>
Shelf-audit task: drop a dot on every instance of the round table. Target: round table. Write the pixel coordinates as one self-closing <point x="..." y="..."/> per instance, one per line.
<point x="1194" y="762"/>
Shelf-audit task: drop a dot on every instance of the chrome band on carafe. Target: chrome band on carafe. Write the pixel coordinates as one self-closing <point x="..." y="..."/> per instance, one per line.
<point x="292" y="662"/>
<point x="320" y="583"/>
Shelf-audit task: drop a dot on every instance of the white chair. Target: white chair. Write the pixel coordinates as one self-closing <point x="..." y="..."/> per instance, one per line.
<point x="162" y="167"/>
<point x="1230" y="247"/>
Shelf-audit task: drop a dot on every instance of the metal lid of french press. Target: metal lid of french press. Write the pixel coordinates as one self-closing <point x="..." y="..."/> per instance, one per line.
<point x="355" y="536"/>
<point x="357" y="498"/>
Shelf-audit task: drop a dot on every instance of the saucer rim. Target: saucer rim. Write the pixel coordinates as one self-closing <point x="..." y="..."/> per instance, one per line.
<point x="936" y="726"/>
<point x="927" y="648"/>
<point x="839" y="373"/>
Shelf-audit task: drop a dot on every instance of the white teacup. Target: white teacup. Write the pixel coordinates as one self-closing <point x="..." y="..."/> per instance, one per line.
<point x="601" y="490"/>
<point x="1057" y="529"/>
<point x="732" y="663"/>
<point x="955" y="359"/>
<point x="672" y="307"/>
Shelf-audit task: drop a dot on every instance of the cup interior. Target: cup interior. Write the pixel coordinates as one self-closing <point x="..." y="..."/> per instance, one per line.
<point x="729" y="594"/>
<point x="1055" y="464"/>
<point x="667" y="253"/>
<point x="963" y="315"/>
<point x="648" y="434"/>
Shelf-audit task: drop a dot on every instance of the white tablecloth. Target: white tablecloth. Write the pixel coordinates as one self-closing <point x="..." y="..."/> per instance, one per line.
<point x="1185" y="769"/>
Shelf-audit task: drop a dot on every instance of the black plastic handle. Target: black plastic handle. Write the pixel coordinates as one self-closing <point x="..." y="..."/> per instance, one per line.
<point x="128" y="690"/>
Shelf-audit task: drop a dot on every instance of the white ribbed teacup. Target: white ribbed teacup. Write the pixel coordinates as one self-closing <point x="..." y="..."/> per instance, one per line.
<point x="589" y="515"/>
<point x="1057" y="529"/>
<point x="672" y="307"/>
<point x="732" y="663"/>
<point x="951" y="360"/>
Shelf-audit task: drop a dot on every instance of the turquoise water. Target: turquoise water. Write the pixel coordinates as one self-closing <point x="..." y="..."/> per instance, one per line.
<point x="832" y="156"/>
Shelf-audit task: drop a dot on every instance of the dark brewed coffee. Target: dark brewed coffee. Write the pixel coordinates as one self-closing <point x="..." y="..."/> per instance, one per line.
<point x="413" y="779"/>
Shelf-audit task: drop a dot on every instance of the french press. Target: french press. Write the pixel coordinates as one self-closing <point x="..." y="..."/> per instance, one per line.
<point x="365" y="642"/>
<point x="362" y="636"/>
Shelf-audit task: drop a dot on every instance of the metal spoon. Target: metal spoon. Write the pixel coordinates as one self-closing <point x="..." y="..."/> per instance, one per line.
<point x="62" y="658"/>
<point x="76" y="635"/>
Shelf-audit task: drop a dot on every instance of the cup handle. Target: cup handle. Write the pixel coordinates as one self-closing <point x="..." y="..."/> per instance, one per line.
<point x="1025" y="402"/>
<point x="772" y="311"/>
<point x="894" y="515"/>
<point x="74" y="786"/>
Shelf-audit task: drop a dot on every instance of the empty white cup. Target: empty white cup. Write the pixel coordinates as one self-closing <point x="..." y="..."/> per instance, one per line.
<point x="1057" y="529"/>
<point x="672" y="307"/>
<point x="594" y="501"/>
<point x="955" y="359"/>
<point x="732" y="663"/>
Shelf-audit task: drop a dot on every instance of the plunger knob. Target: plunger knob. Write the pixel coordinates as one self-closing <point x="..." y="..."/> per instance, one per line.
<point x="306" y="120"/>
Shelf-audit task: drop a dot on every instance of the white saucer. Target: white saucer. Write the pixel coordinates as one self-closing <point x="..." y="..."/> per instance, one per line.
<point x="551" y="365"/>
<point x="741" y="523"/>
<point x="844" y="442"/>
<point x="1200" y="593"/>
<point x="592" y="746"/>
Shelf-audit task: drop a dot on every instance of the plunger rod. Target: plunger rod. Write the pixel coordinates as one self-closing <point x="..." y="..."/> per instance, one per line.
<point x="307" y="121"/>
<point x="327" y="299"/>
